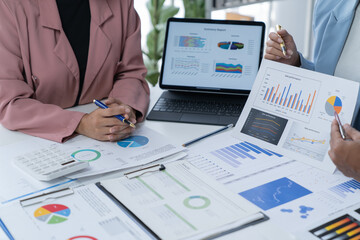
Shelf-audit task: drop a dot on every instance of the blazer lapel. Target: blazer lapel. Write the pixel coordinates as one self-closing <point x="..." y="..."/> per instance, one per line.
<point x="100" y="45"/>
<point x="50" y="18"/>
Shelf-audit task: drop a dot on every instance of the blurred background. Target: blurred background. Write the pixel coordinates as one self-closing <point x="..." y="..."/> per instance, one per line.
<point x="293" y="15"/>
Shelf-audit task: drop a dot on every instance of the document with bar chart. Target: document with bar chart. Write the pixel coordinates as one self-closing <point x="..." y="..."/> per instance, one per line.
<point x="290" y="110"/>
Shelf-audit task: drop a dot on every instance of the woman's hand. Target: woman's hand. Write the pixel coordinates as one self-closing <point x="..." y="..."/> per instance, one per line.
<point x="102" y="125"/>
<point x="345" y="154"/>
<point x="273" y="49"/>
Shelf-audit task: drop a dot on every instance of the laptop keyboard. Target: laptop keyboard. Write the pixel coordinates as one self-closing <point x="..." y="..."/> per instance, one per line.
<point x="202" y="107"/>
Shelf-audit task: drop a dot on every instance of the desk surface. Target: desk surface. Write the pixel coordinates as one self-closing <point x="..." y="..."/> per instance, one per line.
<point x="179" y="133"/>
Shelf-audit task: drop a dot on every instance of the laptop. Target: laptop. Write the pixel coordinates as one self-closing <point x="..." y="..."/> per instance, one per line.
<point x="208" y="69"/>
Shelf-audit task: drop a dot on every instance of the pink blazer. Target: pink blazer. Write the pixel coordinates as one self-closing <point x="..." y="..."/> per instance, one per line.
<point x="39" y="74"/>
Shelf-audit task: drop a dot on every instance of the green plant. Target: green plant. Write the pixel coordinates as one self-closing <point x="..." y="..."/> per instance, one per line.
<point x="194" y="8"/>
<point x="159" y="14"/>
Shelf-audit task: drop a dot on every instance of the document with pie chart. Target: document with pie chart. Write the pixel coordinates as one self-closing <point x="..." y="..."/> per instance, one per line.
<point x="85" y="214"/>
<point x="142" y="147"/>
<point x="290" y="110"/>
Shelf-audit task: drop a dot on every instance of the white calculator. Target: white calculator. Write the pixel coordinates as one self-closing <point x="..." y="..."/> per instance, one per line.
<point x="48" y="164"/>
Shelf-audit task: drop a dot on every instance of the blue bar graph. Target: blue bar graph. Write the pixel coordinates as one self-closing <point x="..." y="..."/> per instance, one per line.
<point x="290" y="98"/>
<point x="346" y="188"/>
<point x="233" y="154"/>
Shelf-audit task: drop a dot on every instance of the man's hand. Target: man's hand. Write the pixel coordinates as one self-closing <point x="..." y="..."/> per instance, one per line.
<point x="102" y="125"/>
<point x="273" y="49"/>
<point x="345" y="154"/>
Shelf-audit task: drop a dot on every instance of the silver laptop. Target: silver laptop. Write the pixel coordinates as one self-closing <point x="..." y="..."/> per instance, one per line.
<point x="209" y="67"/>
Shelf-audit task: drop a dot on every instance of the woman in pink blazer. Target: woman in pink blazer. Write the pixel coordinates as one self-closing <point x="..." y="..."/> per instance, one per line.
<point x="55" y="54"/>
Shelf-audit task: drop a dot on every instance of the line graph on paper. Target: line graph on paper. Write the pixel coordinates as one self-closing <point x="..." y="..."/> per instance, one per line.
<point x="288" y="94"/>
<point x="309" y="142"/>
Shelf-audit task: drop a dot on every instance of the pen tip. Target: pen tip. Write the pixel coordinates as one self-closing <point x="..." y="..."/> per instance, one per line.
<point x="132" y="125"/>
<point x="94" y="101"/>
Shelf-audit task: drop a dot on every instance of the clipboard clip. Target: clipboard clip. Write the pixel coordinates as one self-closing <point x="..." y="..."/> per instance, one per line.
<point x="46" y="196"/>
<point x="142" y="171"/>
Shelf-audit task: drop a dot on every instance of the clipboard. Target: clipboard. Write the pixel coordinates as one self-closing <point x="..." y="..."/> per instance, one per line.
<point x="130" y="214"/>
<point x="147" y="228"/>
<point x="137" y="219"/>
<point x="253" y="219"/>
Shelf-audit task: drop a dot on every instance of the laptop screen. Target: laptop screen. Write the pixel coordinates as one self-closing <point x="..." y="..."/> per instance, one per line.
<point x="211" y="55"/>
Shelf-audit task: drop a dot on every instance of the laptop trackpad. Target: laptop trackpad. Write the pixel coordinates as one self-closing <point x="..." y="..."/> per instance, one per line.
<point x="197" y="118"/>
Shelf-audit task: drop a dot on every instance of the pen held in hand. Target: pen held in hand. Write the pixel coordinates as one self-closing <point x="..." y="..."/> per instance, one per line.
<point x="342" y="131"/>
<point x="207" y="135"/>
<point x="120" y="117"/>
<point x="282" y="45"/>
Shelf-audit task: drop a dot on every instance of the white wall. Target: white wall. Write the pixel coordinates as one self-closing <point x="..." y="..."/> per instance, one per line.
<point x="296" y="17"/>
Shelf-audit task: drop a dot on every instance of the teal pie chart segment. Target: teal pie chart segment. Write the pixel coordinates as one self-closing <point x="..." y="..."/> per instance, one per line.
<point x="133" y="142"/>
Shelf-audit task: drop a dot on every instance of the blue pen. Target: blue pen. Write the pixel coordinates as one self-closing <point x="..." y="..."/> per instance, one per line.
<point x="6" y="231"/>
<point x="120" y="117"/>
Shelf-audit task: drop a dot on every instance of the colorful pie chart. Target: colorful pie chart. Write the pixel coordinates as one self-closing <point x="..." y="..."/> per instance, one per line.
<point x="333" y="103"/>
<point x="52" y="213"/>
<point x="133" y="142"/>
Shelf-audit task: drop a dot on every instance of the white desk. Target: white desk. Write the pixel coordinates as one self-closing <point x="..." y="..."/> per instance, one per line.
<point x="179" y="133"/>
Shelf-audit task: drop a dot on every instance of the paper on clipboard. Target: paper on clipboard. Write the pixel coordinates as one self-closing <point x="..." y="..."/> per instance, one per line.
<point x="181" y="202"/>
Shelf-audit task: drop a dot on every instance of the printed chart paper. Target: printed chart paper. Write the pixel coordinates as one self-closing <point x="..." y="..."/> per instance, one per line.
<point x="290" y="111"/>
<point x="230" y="160"/>
<point x="88" y="213"/>
<point x="293" y="194"/>
<point x="179" y="202"/>
<point x="144" y="146"/>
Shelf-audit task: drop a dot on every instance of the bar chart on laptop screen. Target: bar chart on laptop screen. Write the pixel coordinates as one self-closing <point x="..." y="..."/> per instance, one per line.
<point x="284" y="93"/>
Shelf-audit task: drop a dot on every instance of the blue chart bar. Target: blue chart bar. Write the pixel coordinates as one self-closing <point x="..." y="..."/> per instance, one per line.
<point x="346" y="188"/>
<point x="267" y="91"/>
<point x="233" y="154"/>
<point x="282" y="96"/>
<point x="287" y="94"/>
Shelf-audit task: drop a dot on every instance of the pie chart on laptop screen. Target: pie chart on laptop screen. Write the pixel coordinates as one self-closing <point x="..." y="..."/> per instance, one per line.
<point x="133" y="142"/>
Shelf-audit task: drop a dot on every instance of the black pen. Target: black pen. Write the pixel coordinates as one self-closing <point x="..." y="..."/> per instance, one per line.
<point x="207" y="135"/>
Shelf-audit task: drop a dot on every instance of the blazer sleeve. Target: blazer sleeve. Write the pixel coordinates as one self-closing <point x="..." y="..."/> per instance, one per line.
<point x="130" y="86"/>
<point x="19" y="110"/>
